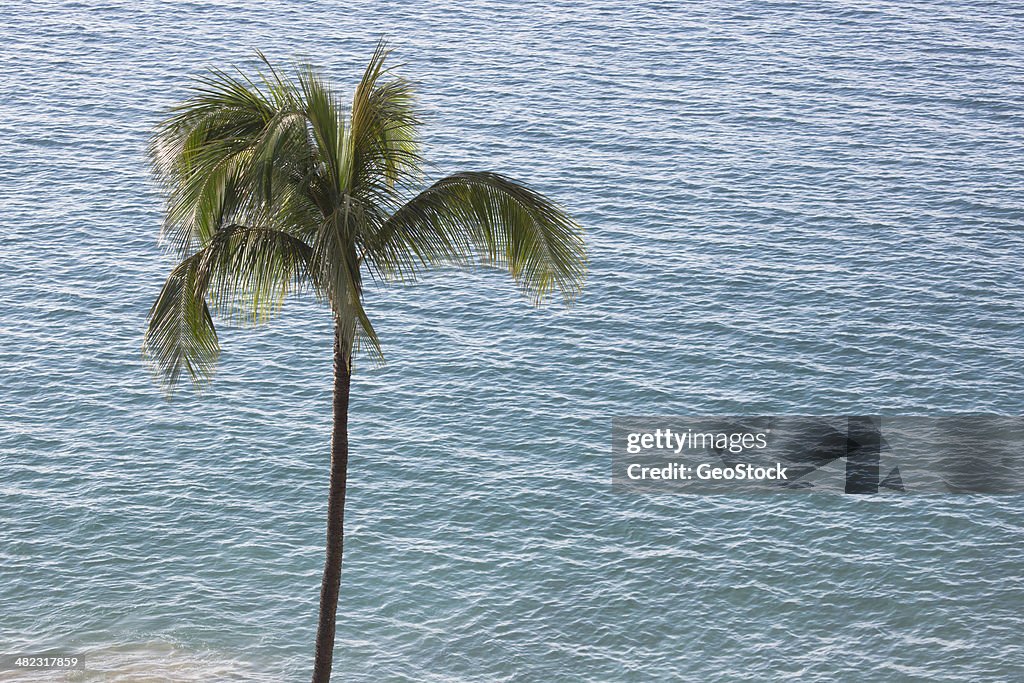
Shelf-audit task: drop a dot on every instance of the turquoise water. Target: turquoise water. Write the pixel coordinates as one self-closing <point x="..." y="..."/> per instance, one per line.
<point x="791" y="208"/>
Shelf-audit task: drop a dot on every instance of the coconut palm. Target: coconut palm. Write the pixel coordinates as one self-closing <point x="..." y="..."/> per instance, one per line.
<point x="273" y="188"/>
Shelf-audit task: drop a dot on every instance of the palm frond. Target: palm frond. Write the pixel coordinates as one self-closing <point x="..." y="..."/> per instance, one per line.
<point x="245" y="273"/>
<point x="222" y="154"/>
<point x="335" y="262"/>
<point x="181" y="334"/>
<point x="384" y="149"/>
<point x="486" y="219"/>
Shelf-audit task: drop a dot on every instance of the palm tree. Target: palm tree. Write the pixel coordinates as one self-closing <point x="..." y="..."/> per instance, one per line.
<point x="272" y="189"/>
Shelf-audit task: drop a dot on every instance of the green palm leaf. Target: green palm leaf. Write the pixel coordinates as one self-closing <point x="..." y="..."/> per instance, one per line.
<point x="486" y="219"/>
<point x="244" y="273"/>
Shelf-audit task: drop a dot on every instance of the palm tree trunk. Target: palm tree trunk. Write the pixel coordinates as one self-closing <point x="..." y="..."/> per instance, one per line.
<point x="335" y="514"/>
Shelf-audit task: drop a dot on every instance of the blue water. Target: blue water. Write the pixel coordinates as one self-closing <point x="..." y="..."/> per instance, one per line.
<point x="792" y="207"/>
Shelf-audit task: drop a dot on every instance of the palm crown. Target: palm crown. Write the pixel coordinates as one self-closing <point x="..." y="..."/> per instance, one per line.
<point x="273" y="188"/>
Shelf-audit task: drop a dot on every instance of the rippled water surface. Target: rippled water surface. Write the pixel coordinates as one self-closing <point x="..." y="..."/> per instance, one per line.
<point x="791" y="208"/>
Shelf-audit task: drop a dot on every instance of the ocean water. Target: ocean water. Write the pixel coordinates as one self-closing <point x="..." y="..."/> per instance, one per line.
<point x="792" y="208"/>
